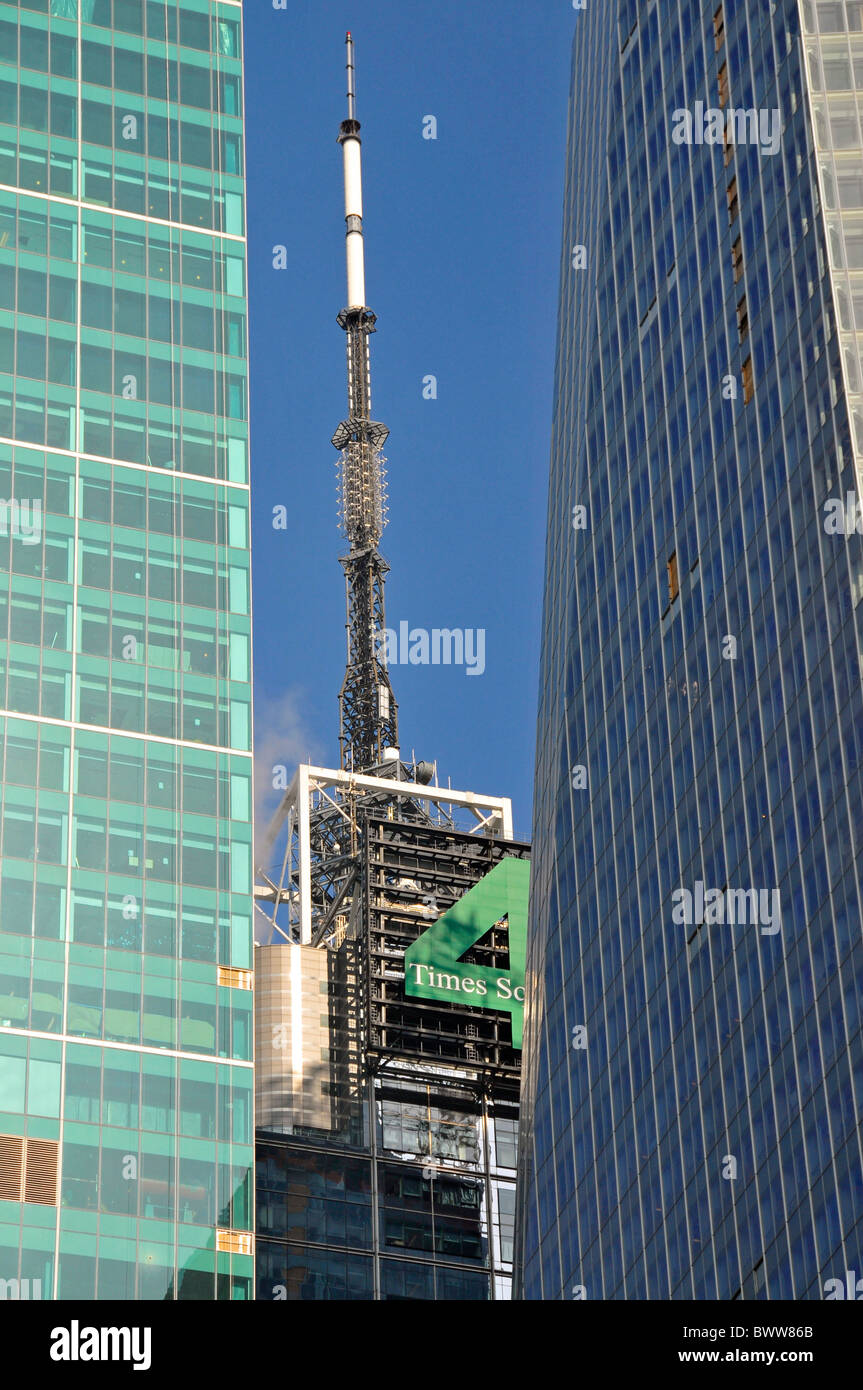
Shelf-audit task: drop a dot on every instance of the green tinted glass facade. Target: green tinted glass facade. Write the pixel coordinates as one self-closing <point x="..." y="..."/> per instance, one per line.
<point x="125" y="654"/>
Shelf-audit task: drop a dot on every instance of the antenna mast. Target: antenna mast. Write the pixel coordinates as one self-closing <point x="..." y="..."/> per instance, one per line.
<point x="367" y="708"/>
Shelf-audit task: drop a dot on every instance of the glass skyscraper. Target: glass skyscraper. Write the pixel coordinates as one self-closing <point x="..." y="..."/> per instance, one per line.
<point x="693" y="1063"/>
<point x="125" y="707"/>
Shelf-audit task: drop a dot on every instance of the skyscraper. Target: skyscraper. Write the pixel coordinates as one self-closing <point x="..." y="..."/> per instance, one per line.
<point x="390" y="969"/>
<point x="388" y="1045"/>
<point x="125" y="892"/>
<point x="692" y="1097"/>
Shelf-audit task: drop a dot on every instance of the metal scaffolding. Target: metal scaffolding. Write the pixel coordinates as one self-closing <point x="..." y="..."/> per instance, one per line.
<point x="310" y="858"/>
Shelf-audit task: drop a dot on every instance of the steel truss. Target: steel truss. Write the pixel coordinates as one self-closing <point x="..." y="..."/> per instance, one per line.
<point x="310" y="858"/>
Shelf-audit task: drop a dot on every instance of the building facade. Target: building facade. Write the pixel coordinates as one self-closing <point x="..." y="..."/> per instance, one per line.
<point x="387" y="1118"/>
<point x="125" y="654"/>
<point x="692" y="1097"/>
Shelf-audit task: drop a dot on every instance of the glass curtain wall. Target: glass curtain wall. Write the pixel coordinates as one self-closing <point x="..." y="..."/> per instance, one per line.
<point x="125" y="653"/>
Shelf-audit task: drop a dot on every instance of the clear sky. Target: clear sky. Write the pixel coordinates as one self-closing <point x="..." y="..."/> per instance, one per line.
<point x="462" y="241"/>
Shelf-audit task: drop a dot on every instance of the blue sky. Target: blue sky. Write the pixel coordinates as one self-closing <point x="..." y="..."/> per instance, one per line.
<point x="462" y="255"/>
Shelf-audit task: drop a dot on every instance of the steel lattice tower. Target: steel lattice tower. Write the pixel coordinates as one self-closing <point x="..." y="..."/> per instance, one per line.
<point x="367" y="707"/>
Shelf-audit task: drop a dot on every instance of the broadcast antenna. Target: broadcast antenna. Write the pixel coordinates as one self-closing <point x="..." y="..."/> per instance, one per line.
<point x="368" y="714"/>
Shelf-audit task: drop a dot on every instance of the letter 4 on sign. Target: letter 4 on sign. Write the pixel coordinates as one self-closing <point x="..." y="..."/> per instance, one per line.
<point x="437" y="954"/>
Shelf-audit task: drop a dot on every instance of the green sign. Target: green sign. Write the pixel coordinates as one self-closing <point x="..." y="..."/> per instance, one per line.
<point x="434" y="968"/>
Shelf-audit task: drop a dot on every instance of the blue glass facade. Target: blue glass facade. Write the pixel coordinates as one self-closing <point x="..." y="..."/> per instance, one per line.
<point x="693" y="1080"/>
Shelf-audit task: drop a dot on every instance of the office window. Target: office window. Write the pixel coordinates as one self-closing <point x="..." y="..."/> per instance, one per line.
<point x="722" y="85"/>
<point x="748" y="381"/>
<point x="673" y="577"/>
<point x="742" y="319"/>
<point x="719" y="28"/>
<point x="737" y="259"/>
<point x="733" y="204"/>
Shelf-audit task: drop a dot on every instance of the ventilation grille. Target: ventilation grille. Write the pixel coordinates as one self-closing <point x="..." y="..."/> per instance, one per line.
<point x="40" y="1171"/>
<point x="29" y="1170"/>
<point x="235" y="1242"/>
<point x="235" y="979"/>
<point x="11" y="1167"/>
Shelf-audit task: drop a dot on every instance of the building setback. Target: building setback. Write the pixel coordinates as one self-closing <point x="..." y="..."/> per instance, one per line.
<point x="125" y="661"/>
<point x="691" y="1101"/>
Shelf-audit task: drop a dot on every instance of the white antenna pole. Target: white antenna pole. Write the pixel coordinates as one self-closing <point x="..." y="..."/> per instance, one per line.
<point x="351" y="147"/>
